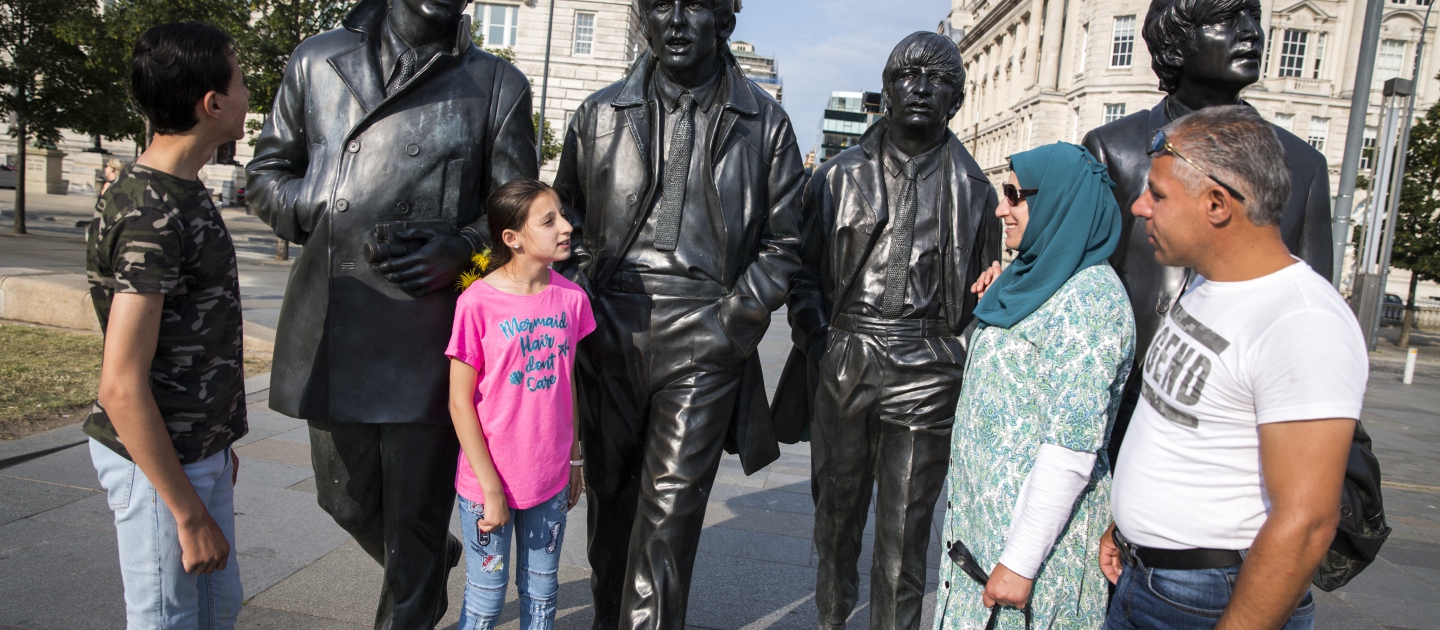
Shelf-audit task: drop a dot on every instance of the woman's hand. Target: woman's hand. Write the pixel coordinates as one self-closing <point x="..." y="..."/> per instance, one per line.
<point x="1110" y="563"/>
<point x="987" y="278"/>
<point x="496" y="513"/>
<point x="577" y="486"/>
<point x="1007" y="588"/>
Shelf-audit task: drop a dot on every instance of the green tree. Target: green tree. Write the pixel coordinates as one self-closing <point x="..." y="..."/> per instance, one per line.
<point x="266" y="46"/>
<point x="42" y="75"/>
<point x="1417" y="228"/>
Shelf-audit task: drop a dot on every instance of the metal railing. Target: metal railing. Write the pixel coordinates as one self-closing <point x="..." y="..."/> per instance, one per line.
<point x="1426" y="317"/>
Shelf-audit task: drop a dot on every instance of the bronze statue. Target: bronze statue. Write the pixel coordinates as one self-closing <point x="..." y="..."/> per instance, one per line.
<point x="1205" y="52"/>
<point x="897" y="230"/>
<point x="684" y="184"/>
<point x="386" y="137"/>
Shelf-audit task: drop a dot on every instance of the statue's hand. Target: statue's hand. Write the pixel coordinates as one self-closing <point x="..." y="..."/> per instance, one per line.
<point x="433" y="268"/>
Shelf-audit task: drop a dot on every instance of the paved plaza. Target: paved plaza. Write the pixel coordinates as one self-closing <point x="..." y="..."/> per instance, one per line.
<point x="756" y="567"/>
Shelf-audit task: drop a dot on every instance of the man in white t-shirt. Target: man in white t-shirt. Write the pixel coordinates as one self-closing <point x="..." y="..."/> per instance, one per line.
<point x="1227" y="491"/>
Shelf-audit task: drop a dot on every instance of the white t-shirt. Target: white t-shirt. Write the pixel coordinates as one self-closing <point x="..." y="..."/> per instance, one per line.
<point x="1230" y="357"/>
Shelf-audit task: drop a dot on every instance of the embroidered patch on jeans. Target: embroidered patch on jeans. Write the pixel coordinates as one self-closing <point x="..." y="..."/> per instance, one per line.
<point x="491" y="564"/>
<point x="554" y="538"/>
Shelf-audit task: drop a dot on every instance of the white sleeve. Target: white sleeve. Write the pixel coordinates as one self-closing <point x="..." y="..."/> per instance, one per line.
<point x="1309" y="365"/>
<point x="1044" y="506"/>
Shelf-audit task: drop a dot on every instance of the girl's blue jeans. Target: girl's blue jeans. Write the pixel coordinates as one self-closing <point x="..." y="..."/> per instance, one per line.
<point x="538" y="532"/>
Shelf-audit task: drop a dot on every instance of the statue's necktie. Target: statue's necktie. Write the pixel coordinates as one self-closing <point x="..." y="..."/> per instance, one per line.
<point x="902" y="239"/>
<point x="403" y="73"/>
<point x="677" y="174"/>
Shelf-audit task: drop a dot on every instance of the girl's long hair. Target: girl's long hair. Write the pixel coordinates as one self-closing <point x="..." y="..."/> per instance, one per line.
<point x="509" y="208"/>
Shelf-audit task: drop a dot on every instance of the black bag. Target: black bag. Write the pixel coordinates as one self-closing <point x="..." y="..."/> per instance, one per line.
<point x="960" y="555"/>
<point x="1362" y="527"/>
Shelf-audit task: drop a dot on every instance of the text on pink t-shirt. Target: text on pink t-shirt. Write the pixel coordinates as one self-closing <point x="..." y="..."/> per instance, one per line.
<point x="523" y="347"/>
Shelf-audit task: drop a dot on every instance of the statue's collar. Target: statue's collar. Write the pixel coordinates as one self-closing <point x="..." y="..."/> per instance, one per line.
<point x="1174" y="109"/>
<point x="737" y="93"/>
<point x="368" y="15"/>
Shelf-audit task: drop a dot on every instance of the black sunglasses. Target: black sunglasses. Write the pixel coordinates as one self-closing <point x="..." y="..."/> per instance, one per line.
<point x="1160" y="143"/>
<point x="1016" y="195"/>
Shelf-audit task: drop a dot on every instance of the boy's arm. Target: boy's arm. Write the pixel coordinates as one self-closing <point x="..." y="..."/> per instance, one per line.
<point x="131" y="336"/>
<point x="1303" y="464"/>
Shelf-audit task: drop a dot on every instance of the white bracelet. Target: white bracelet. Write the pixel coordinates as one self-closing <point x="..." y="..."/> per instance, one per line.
<point x="577" y="462"/>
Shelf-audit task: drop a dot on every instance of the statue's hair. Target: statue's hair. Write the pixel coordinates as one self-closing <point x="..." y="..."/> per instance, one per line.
<point x="1233" y="143"/>
<point x="724" y="10"/>
<point x="1171" y="25"/>
<point x="926" y="49"/>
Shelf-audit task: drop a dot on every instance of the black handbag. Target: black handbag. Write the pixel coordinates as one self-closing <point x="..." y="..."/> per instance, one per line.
<point x="1362" y="527"/>
<point x="960" y="554"/>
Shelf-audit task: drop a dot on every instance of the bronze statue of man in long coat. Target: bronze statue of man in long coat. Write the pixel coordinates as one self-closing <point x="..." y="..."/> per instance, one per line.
<point x="386" y="137"/>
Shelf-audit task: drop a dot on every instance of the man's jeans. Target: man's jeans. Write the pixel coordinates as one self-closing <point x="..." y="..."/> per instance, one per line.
<point x="538" y="531"/>
<point x="1182" y="600"/>
<point x="158" y="591"/>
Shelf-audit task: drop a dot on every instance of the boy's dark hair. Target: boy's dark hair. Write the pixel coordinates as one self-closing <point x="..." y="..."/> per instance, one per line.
<point x="1172" y="24"/>
<point x="173" y="66"/>
<point x="508" y="208"/>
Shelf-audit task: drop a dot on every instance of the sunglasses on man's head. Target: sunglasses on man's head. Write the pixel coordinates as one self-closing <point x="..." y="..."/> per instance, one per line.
<point x="1016" y="195"/>
<point x="1161" y="143"/>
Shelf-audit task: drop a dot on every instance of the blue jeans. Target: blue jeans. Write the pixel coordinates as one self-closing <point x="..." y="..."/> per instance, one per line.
<point x="158" y="591"/>
<point x="539" y="530"/>
<point x="1182" y="600"/>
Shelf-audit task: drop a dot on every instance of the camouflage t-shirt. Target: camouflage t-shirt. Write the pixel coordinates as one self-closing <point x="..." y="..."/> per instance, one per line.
<point x="156" y="233"/>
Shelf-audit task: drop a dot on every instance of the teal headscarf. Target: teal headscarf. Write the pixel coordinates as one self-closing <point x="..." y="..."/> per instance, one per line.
<point x="1074" y="224"/>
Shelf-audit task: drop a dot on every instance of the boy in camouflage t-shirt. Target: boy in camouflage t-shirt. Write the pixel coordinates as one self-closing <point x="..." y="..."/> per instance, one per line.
<point x="166" y="289"/>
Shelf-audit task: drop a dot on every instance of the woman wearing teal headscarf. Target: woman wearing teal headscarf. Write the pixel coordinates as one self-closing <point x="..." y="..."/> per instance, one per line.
<point x="1029" y="481"/>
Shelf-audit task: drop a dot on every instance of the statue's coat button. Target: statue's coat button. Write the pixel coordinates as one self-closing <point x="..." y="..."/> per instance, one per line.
<point x="342" y="205"/>
<point x="412" y="150"/>
<point x="353" y="146"/>
<point x="403" y="207"/>
<point x="630" y="201"/>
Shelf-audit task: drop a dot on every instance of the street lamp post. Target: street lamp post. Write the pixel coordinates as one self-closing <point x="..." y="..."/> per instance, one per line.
<point x="544" y="85"/>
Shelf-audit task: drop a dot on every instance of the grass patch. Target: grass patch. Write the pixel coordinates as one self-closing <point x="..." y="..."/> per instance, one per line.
<point x="45" y="375"/>
<point x="48" y="377"/>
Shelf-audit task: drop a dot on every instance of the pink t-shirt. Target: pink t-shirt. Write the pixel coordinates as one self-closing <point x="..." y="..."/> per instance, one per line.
<point x="523" y="347"/>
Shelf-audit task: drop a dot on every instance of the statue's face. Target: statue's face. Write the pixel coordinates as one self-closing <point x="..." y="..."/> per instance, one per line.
<point x="1228" y="51"/>
<point x="683" y="33"/>
<point x="436" y="11"/>
<point x="922" y="98"/>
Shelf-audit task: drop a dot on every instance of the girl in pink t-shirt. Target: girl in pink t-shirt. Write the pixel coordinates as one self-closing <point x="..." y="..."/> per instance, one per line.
<point x="513" y="403"/>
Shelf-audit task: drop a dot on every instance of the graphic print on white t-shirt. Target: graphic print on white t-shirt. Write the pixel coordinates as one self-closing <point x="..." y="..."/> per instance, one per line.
<point x="1180" y="361"/>
<point x="1230" y="357"/>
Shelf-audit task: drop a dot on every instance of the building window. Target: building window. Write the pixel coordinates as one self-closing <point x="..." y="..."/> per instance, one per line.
<point x="1390" y="59"/>
<point x="1367" y="148"/>
<point x="1114" y="112"/>
<point x="585" y="34"/>
<point x="498" y="23"/>
<point x="1084" y="49"/>
<point x="1319" y="131"/>
<point x="1292" y="53"/>
<point x="1286" y="122"/>
<point x="1319" y="54"/>
<point x="1122" y="42"/>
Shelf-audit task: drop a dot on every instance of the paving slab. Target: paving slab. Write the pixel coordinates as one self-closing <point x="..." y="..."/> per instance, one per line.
<point x="56" y="577"/>
<point x="1394" y="612"/>
<point x="254" y="617"/>
<point x="71" y="467"/>
<point x="276" y="449"/>
<point x="22" y="498"/>
<point x="283" y="524"/>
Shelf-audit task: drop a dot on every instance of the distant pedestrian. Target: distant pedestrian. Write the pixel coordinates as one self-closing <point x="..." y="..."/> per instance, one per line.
<point x="1227" y="492"/>
<point x="112" y="169"/>
<point x="1029" y="478"/>
<point x="166" y="289"/>
<point x="512" y="400"/>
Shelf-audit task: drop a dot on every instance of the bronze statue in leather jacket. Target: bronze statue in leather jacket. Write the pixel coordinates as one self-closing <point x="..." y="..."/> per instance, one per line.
<point x="683" y="181"/>
<point x="386" y="137"/>
<point x="897" y="230"/>
<point x="1198" y="66"/>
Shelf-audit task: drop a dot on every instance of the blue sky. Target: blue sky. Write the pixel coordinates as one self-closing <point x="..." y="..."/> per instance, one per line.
<point x="824" y="46"/>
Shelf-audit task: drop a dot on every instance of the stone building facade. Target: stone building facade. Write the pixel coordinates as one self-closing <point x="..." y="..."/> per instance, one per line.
<point x="1039" y="71"/>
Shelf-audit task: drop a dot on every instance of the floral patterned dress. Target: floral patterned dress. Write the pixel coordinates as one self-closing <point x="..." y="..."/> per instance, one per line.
<point x="1056" y="377"/>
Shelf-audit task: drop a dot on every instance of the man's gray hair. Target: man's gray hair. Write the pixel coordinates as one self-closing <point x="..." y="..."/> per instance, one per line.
<point x="1235" y="144"/>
